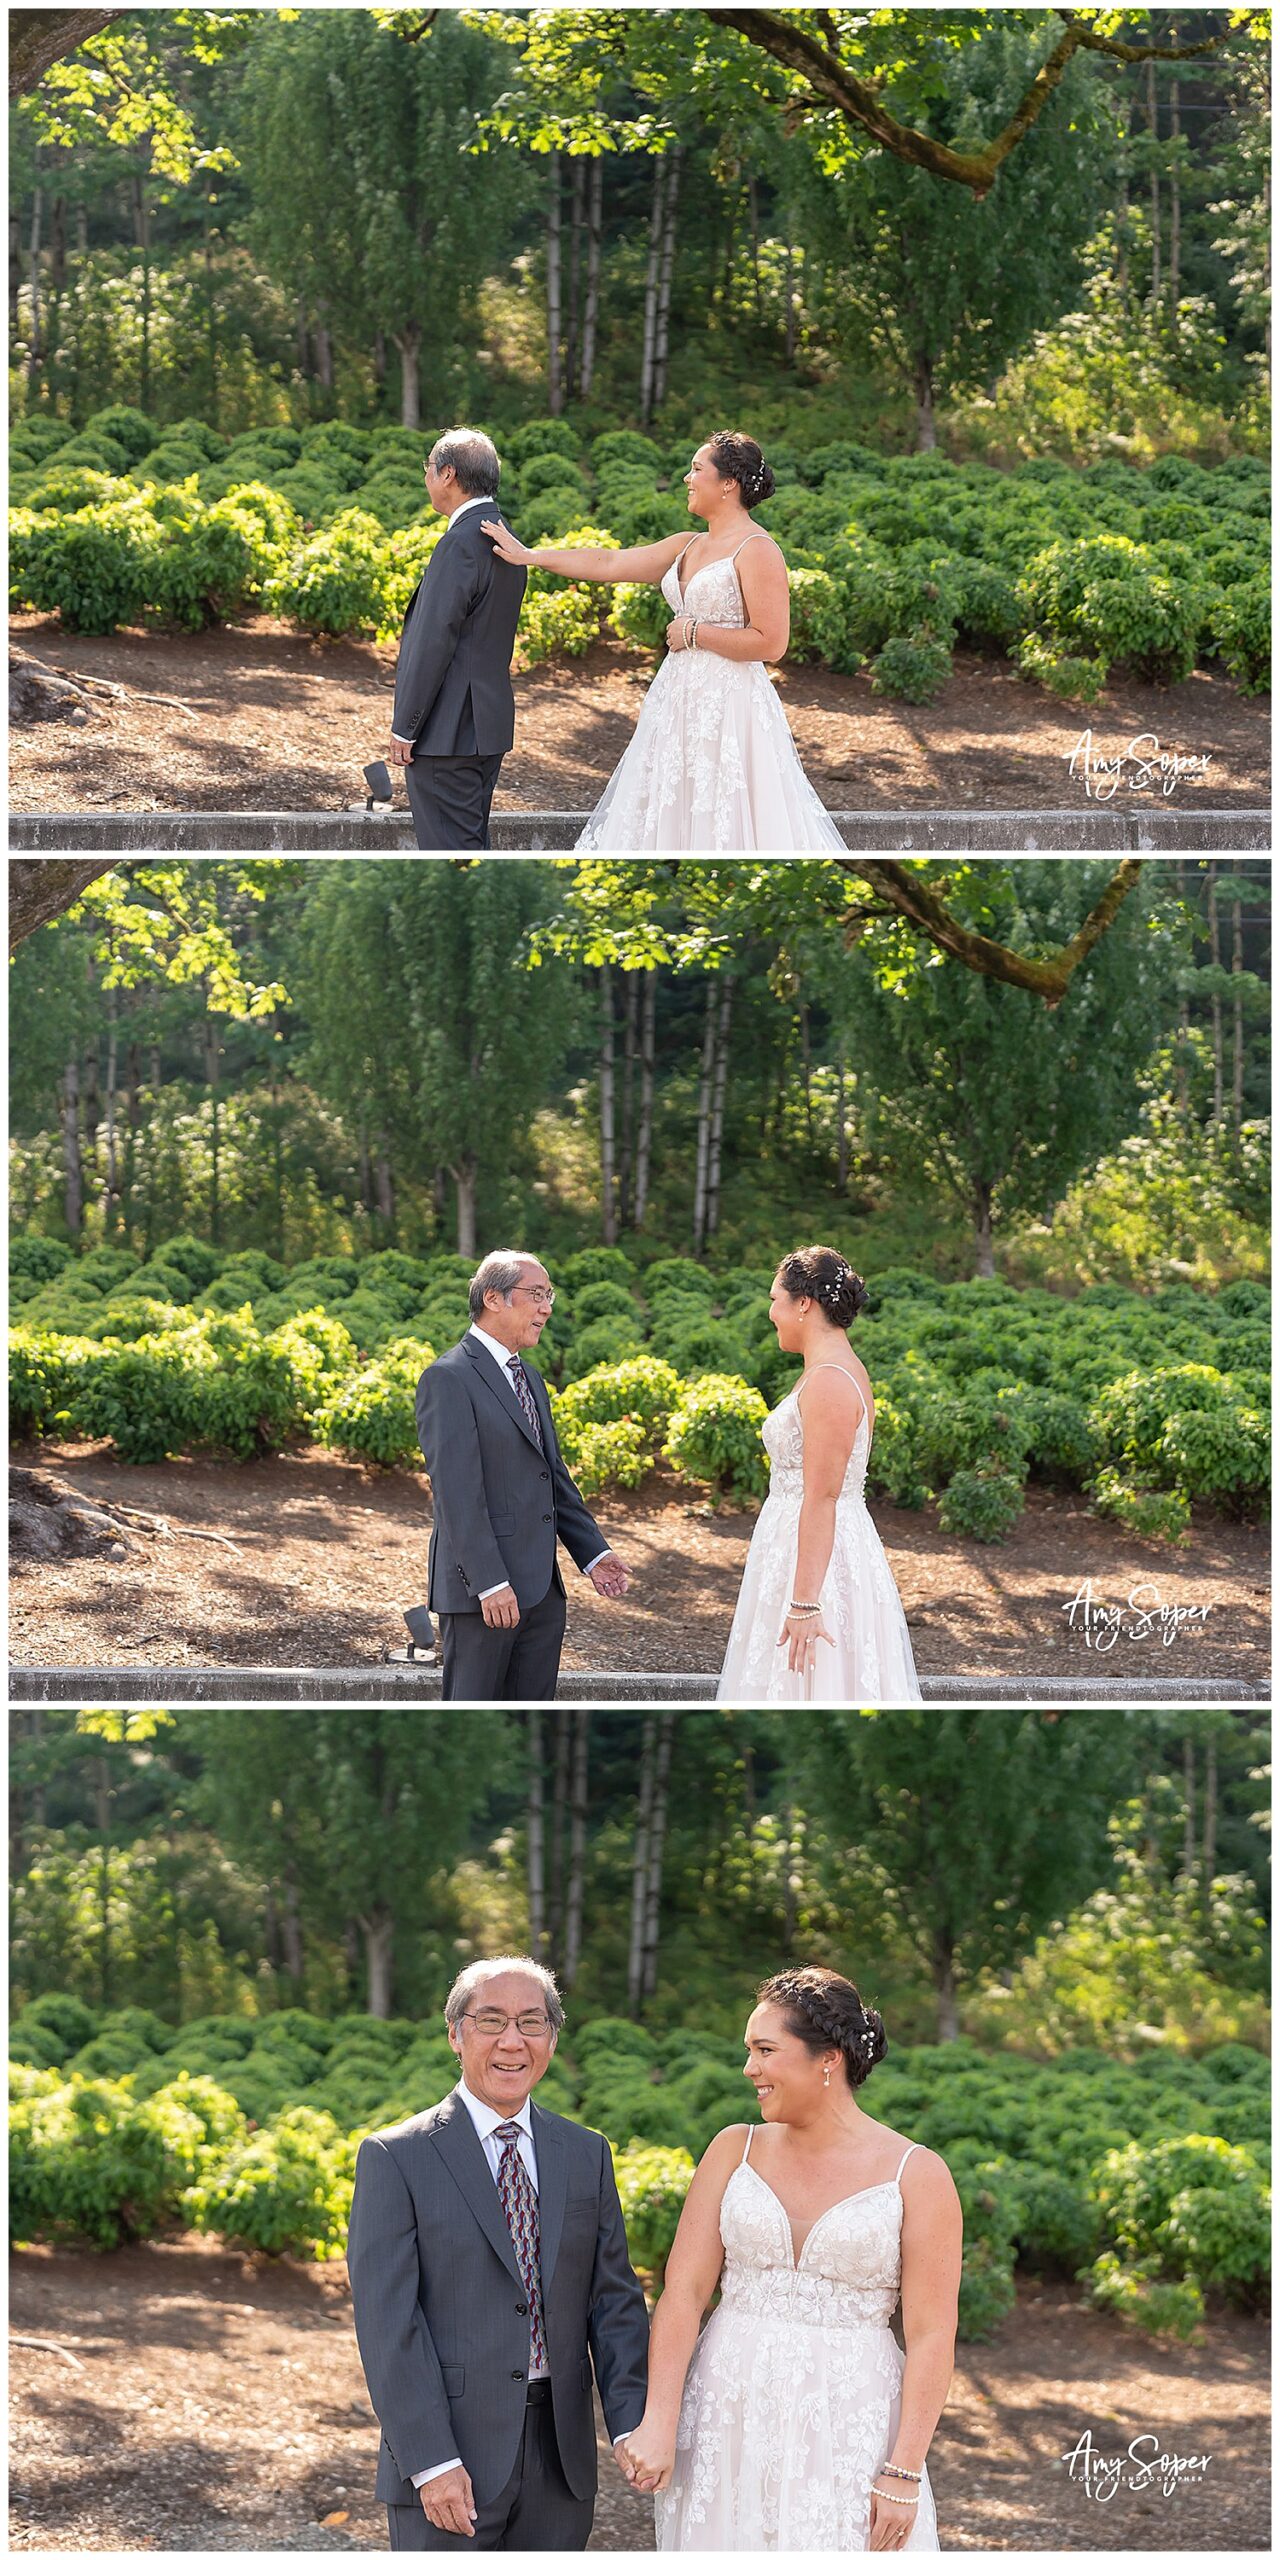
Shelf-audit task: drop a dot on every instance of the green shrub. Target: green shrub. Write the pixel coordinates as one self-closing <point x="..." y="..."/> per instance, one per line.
<point x="691" y="1278"/>
<point x="643" y="1390"/>
<point x="1105" y="596"/>
<point x="38" y="1257"/>
<point x="981" y="1502"/>
<point x="95" y="569"/>
<point x="820" y="621"/>
<point x="1240" y="632"/>
<point x="1072" y="679"/>
<point x="1132" y="2289"/>
<point x="338" y="580"/>
<point x="59" y="2013"/>
<point x="913" y="666"/>
<point x="600" y="1454"/>
<point x="285" y="2187"/>
<point x="610" y="1340"/>
<point x="1192" y="2205"/>
<point x="371" y="1415"/>
<point x="714" y="1437"/>
<point x="652" y="2186"/>
<point x="639" y="616"/>
<point x="541" y="436"/>
<point x="623" y="445"/>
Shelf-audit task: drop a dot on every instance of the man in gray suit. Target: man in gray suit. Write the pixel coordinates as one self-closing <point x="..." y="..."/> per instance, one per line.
<point x="489" y="2273"/>
<point x="502" y="1496"/>
<point x="454" y="714"/>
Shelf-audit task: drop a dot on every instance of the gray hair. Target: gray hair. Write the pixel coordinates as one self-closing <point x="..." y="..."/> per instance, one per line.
<point x="473" y="1977"/>
<point x="500" y="1271"/>
<point x="472" y="458"/>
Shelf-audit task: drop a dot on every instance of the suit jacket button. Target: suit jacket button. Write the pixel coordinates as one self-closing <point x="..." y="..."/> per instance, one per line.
<point x="546" y="1515"/>
<point x="523" y="2309"/>
<point x="519" y="2377"/>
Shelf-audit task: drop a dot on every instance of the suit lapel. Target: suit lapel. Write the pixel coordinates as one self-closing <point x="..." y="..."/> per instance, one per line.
<point x="485" y="1364"/>
<point x="553" y="2185"/>
<point x="462" y="2152"/>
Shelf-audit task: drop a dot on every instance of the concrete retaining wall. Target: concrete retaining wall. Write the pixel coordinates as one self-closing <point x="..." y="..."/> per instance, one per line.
<point x="1142" y="827"/>
<point x="417" y="1684"/>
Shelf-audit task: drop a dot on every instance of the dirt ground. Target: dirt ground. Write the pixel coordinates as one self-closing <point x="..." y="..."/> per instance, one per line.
<point x="207" y="2400"/>
<point x="278" y="721"/>
<point x="306" y="1561"/>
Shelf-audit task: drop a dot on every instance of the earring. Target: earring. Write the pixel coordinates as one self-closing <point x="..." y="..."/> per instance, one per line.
<point x="826" y="2075"/>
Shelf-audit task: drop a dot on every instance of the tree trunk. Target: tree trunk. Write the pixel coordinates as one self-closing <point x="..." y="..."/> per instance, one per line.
<point x="640" y="1867"/>
<point x="142" y="240"/>
<point x="577" y="1846"/>
<point x="926" y="423"/>
<point x="211" y="1064"/>
<point x="806" y="1070"/>
<point x="465" y="1185"/>
<point x="292" y="1927"/>
<point x="90" y="1115"/>
<point x="534" y="1847"/>
<point x="703" y="1146"/>
<point x="302" y="336"/>
<point x="650" y="337"/>
<point x="644" y="1132"/>
<point x="384" y="1191"/>
<point x="717" y="1104"/>
<point x="608" y="1197"/>
<point x="34" y="353"/>
<point x="111" y="1181"/>
<point x="657" y="1835"/>
<point x="559" y="1809"/>
<point x="1153" y="125"/>
<point x="789" y="340"/>
<point x="1189" y="1805"/>
<point x="211" y="301"/>
<point x="1215" y="1000"/>
<point x="69" y="1097"/>
<point x="1184" y="1022"/>
<point x="102" y="1812"/>
<point x="984" y="1265"/>
<point x="380" y="361"/>
<point x="1237" y="1020"/>
<point x="944" y="1983"/>
<point x="753" y="217"/>
<point x="577" y="191"/>
<point x="842" y="1130"/>
<point x="409" y="345"/>
<point x="323" y="342"/>
<point x="133" y="1122"/>
<point x="1210" y="1812"/>
<point x="555" y="387"/>
<point x="1175" y="195"/>
<point x="1122" y="201"/>
<point x="626" y="1133"/>
<point x="153" y="1088"/>
<point x="378" y="1934"/>
<point x="663" y="330"/>
<point x="591" y="314"/>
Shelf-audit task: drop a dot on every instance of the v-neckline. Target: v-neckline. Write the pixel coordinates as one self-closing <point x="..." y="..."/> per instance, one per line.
<point x="797" y="2260"/>
<point x="681" y="589"/>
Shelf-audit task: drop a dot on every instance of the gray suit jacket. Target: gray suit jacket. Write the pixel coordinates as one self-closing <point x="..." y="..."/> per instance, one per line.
<point x="500" y="1502"/>
<point x="442" y="2318"/>
<point x="453" y="674"/>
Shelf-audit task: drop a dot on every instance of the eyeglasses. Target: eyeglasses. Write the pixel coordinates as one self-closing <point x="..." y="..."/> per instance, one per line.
<point x="540" y="1297"/>
<point x="531" y="2022"/>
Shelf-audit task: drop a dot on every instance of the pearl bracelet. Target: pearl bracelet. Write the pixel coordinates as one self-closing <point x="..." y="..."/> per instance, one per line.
<point x="891" y="2501"/>
<point x="894" y="2471"/>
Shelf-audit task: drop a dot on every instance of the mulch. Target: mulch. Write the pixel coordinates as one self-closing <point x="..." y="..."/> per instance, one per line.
<point x="216" y="2403"/>
<point x="282" y="722"/>
<point x="306" y="1561"/>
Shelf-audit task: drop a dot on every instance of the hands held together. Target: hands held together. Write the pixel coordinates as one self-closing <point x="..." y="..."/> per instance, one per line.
<point x="646" y="2457"/>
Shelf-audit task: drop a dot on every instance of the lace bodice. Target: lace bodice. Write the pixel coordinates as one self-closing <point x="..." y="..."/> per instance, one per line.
<point x="783" y="1435"/>
<point x="848" y="2272"/>
<point x="719" y="596"/>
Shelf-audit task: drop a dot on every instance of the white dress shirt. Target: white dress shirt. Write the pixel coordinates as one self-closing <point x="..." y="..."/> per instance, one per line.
<point x="504" y="1357"/>
<point x="486" y="2120"/>
<point x="458" y="511"/>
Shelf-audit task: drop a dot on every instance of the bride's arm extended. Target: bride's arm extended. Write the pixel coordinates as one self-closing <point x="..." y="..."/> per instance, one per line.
<point x="645" y="566"/>
<point x="767" y="597"/>
<point x="932" y="2240"/>
<point x="692" y="2274"/>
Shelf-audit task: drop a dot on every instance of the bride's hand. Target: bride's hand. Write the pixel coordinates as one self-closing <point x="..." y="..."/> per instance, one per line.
<point x="675" y="633"/>
<point x="803" y="1635"/>
<point x="890" y="2526"/>
<point x="505" y="543"/>
<point x="647" y="2456"/>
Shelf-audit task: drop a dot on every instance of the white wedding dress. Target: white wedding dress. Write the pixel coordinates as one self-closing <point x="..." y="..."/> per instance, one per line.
<point x="794" y="2391"/>
<point x="712" y="767"/>
<point x="871" y="1656"/>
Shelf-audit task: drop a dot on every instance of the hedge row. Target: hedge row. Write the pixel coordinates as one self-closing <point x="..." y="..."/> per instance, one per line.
<point x="1145" y="1404"/>
<point x="894" y="559"/>
<point x="1144" y="2181"/>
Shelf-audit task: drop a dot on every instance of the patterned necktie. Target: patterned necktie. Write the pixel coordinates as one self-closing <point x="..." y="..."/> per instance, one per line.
<point x="520" y="1381"/>
<point x="520" y="2204"/>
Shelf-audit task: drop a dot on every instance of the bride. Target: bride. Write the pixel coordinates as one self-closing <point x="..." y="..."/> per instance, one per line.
<point x="817" y="1575"/>
<point x="795" y="2422"/>
<point x="712" y="767"/>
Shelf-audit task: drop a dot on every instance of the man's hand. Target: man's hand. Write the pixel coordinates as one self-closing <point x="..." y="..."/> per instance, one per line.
<point x="609" y="1577"/>
<point x="501" y="1608"/>
<point x="401" y="751"/>
<point x="448" y="2502"/>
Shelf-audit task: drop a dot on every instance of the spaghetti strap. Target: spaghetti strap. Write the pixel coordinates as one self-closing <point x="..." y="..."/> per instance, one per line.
<point x="798" y="1390"/>
<point x="758" y="536"/>
<point x="743" y="2161"/>
<point x="911" y="2146"/>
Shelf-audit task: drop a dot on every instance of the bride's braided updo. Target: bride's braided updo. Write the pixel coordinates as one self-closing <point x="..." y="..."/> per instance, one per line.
<point x="823" y="2009"/>
<point x="818" y="1271"/>
<point x="740" y="458"/>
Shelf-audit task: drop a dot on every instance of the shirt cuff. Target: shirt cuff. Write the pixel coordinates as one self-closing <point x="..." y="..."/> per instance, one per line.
<point x="417" y="2477"/>
<point x="494" y="1586"/>
<point x="627" y="2431"/>
<point x="588" y="1570"/>
<point x="400" y="740"/>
